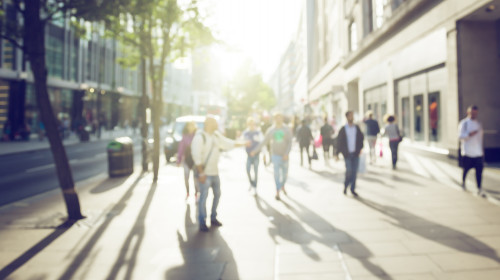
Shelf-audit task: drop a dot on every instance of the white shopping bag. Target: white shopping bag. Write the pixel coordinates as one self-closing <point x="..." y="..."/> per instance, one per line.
<point x="362" y="163"/>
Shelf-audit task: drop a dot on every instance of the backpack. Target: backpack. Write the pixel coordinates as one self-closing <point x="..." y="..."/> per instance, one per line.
<point x="188" y="157"/>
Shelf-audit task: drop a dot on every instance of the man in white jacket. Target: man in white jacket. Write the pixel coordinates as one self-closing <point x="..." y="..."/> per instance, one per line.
<point x="205" y="150"/>
<point x="471" y="137"/>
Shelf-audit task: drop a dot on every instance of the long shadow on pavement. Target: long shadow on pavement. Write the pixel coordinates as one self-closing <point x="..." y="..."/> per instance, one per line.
<point x="316" y="222"/>
<point x="109" y="184"/>
<point x="319" y="224"/>
<point x="431" y="230"/>
<point x="135" y="238"/>
<point x="33" y="251"/>
<point x="85" y="251"/>
<point x="206" y="255"/>
<point x="278" y="220"/>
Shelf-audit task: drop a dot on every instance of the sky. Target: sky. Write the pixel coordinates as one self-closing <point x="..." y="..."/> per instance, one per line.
<point x="259" y="29"/>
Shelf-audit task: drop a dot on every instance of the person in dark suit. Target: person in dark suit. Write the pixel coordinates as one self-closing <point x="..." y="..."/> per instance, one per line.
<point x="350" y="143"/>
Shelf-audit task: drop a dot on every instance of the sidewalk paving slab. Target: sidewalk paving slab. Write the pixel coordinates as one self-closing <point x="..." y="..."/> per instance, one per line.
<point x="403" y="226"/>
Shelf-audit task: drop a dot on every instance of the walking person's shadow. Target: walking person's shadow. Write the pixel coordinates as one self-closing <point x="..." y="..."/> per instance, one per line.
<point x="319" y="224"/>
<point x="431" y="230"/>
<point x="206" y="254"/>
<point x="321" y="228"/>
<point x="297" y="230"/>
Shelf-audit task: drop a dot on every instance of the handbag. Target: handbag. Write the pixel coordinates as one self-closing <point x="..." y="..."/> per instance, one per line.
<point x="460" y="157"/>
<point x="381" y="150"/>
<point x="362" y="163"/>
<point x="400" y="136"/>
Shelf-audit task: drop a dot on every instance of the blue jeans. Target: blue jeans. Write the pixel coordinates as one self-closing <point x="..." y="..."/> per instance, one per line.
<point x="280" y="171"/>
<point x="255" y="162"/>
<point x="351" y="170"/>
<point x="394" y="151"/>
<point x="214" y="183"/>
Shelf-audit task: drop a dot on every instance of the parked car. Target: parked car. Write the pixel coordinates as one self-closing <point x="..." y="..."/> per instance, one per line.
<point x="174" y="135"/>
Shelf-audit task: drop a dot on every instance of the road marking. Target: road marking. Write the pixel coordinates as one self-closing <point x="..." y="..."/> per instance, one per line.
<point x="39" y="168"/>
<point x="342" y="262"/>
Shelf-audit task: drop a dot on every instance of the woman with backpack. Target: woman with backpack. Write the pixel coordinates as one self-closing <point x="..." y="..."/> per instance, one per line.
<point x="184" y="156"/>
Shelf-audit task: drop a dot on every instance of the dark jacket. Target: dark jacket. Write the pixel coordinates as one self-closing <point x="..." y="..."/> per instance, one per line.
<point x="372" y="128"/>
<point x="342" y="142"/>
<point x="304" y="135"/>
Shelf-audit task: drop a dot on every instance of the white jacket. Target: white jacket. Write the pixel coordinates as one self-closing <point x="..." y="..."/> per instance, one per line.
<point x="200" y="150"/>
<point x="471" y="146"/>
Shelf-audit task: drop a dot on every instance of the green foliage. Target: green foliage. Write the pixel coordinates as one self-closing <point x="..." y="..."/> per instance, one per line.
<point x="248" y="92"/>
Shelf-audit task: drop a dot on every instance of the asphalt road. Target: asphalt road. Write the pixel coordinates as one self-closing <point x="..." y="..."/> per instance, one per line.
<point x="29" y="173"/>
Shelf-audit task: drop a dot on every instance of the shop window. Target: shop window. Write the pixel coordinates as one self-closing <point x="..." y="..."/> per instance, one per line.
<point x="383" y="112"/>
<point x="405" y="115"/>
<point x="434" y="117"/>
<point x="418" y="115"/>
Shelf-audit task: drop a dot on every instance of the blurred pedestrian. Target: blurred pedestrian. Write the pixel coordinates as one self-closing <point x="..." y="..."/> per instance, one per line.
<point x="391" y="130"/>
<point x="433" y="118"/>
<point x="253" y="136"/>
<point x="327" y="132"/>
<point x="304" y="137"/>
<point x="205" y="150"/>
<point x="41" y="131"/>
<point x="7" y="131"/>
<point x="184" y="156"/>
<point x="372" y="130"/>
<point x="350" y="144"/>
<point x="65" y="127"/>
<point x="472" y="150"/>
<point x="280" y="137"/>
<point x="265" y="125"/>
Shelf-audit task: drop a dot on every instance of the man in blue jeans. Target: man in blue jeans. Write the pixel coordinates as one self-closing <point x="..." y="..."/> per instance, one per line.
<point x="280" y="136"/>
<point x="350" y="143"/>
<point x="205" y="150"/>
<point x="253" y="135"/>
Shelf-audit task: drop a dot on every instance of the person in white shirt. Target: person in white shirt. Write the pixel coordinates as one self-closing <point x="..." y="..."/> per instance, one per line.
<point x="471" y="140"/>
<point x="205" y="150"/>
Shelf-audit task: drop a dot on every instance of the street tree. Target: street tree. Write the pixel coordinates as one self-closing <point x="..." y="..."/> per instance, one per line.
<point x="26" y="30"/>
<point x="247" y="92"/>
<point x="161" y="31"/>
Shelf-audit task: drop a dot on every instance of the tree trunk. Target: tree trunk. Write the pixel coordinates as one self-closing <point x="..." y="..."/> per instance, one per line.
<point x="144" y="124"/>
<point x="156" y="111"/>
<point x="34" y="41"/>
<point x="156" y="136"/>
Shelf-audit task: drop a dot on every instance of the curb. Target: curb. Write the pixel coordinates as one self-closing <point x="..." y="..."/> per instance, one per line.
<point x="48" y="147"/>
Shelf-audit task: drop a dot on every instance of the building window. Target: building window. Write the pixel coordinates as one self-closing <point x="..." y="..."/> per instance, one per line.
<point x="434" y="117"/>
<point x="375" y="101"/>
<point x="378" y="12"/>
<point x="90" y="56"/>
<point x="54" y="51"/>
<point x="353" y="36"/>
<point x="405" y="115"/>
<point x="418" y="115"/>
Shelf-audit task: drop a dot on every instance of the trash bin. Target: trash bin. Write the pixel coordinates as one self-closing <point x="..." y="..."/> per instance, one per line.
<point x="84" y="136"/>
<point x="120" y="157"/>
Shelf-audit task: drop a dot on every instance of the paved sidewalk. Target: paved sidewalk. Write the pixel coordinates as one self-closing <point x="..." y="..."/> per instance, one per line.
<point x="403" y="226"/>
<point x="35" y="144"/>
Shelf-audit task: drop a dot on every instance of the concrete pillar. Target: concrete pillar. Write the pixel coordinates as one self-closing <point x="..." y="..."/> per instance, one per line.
<point x="451" y="127"/>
